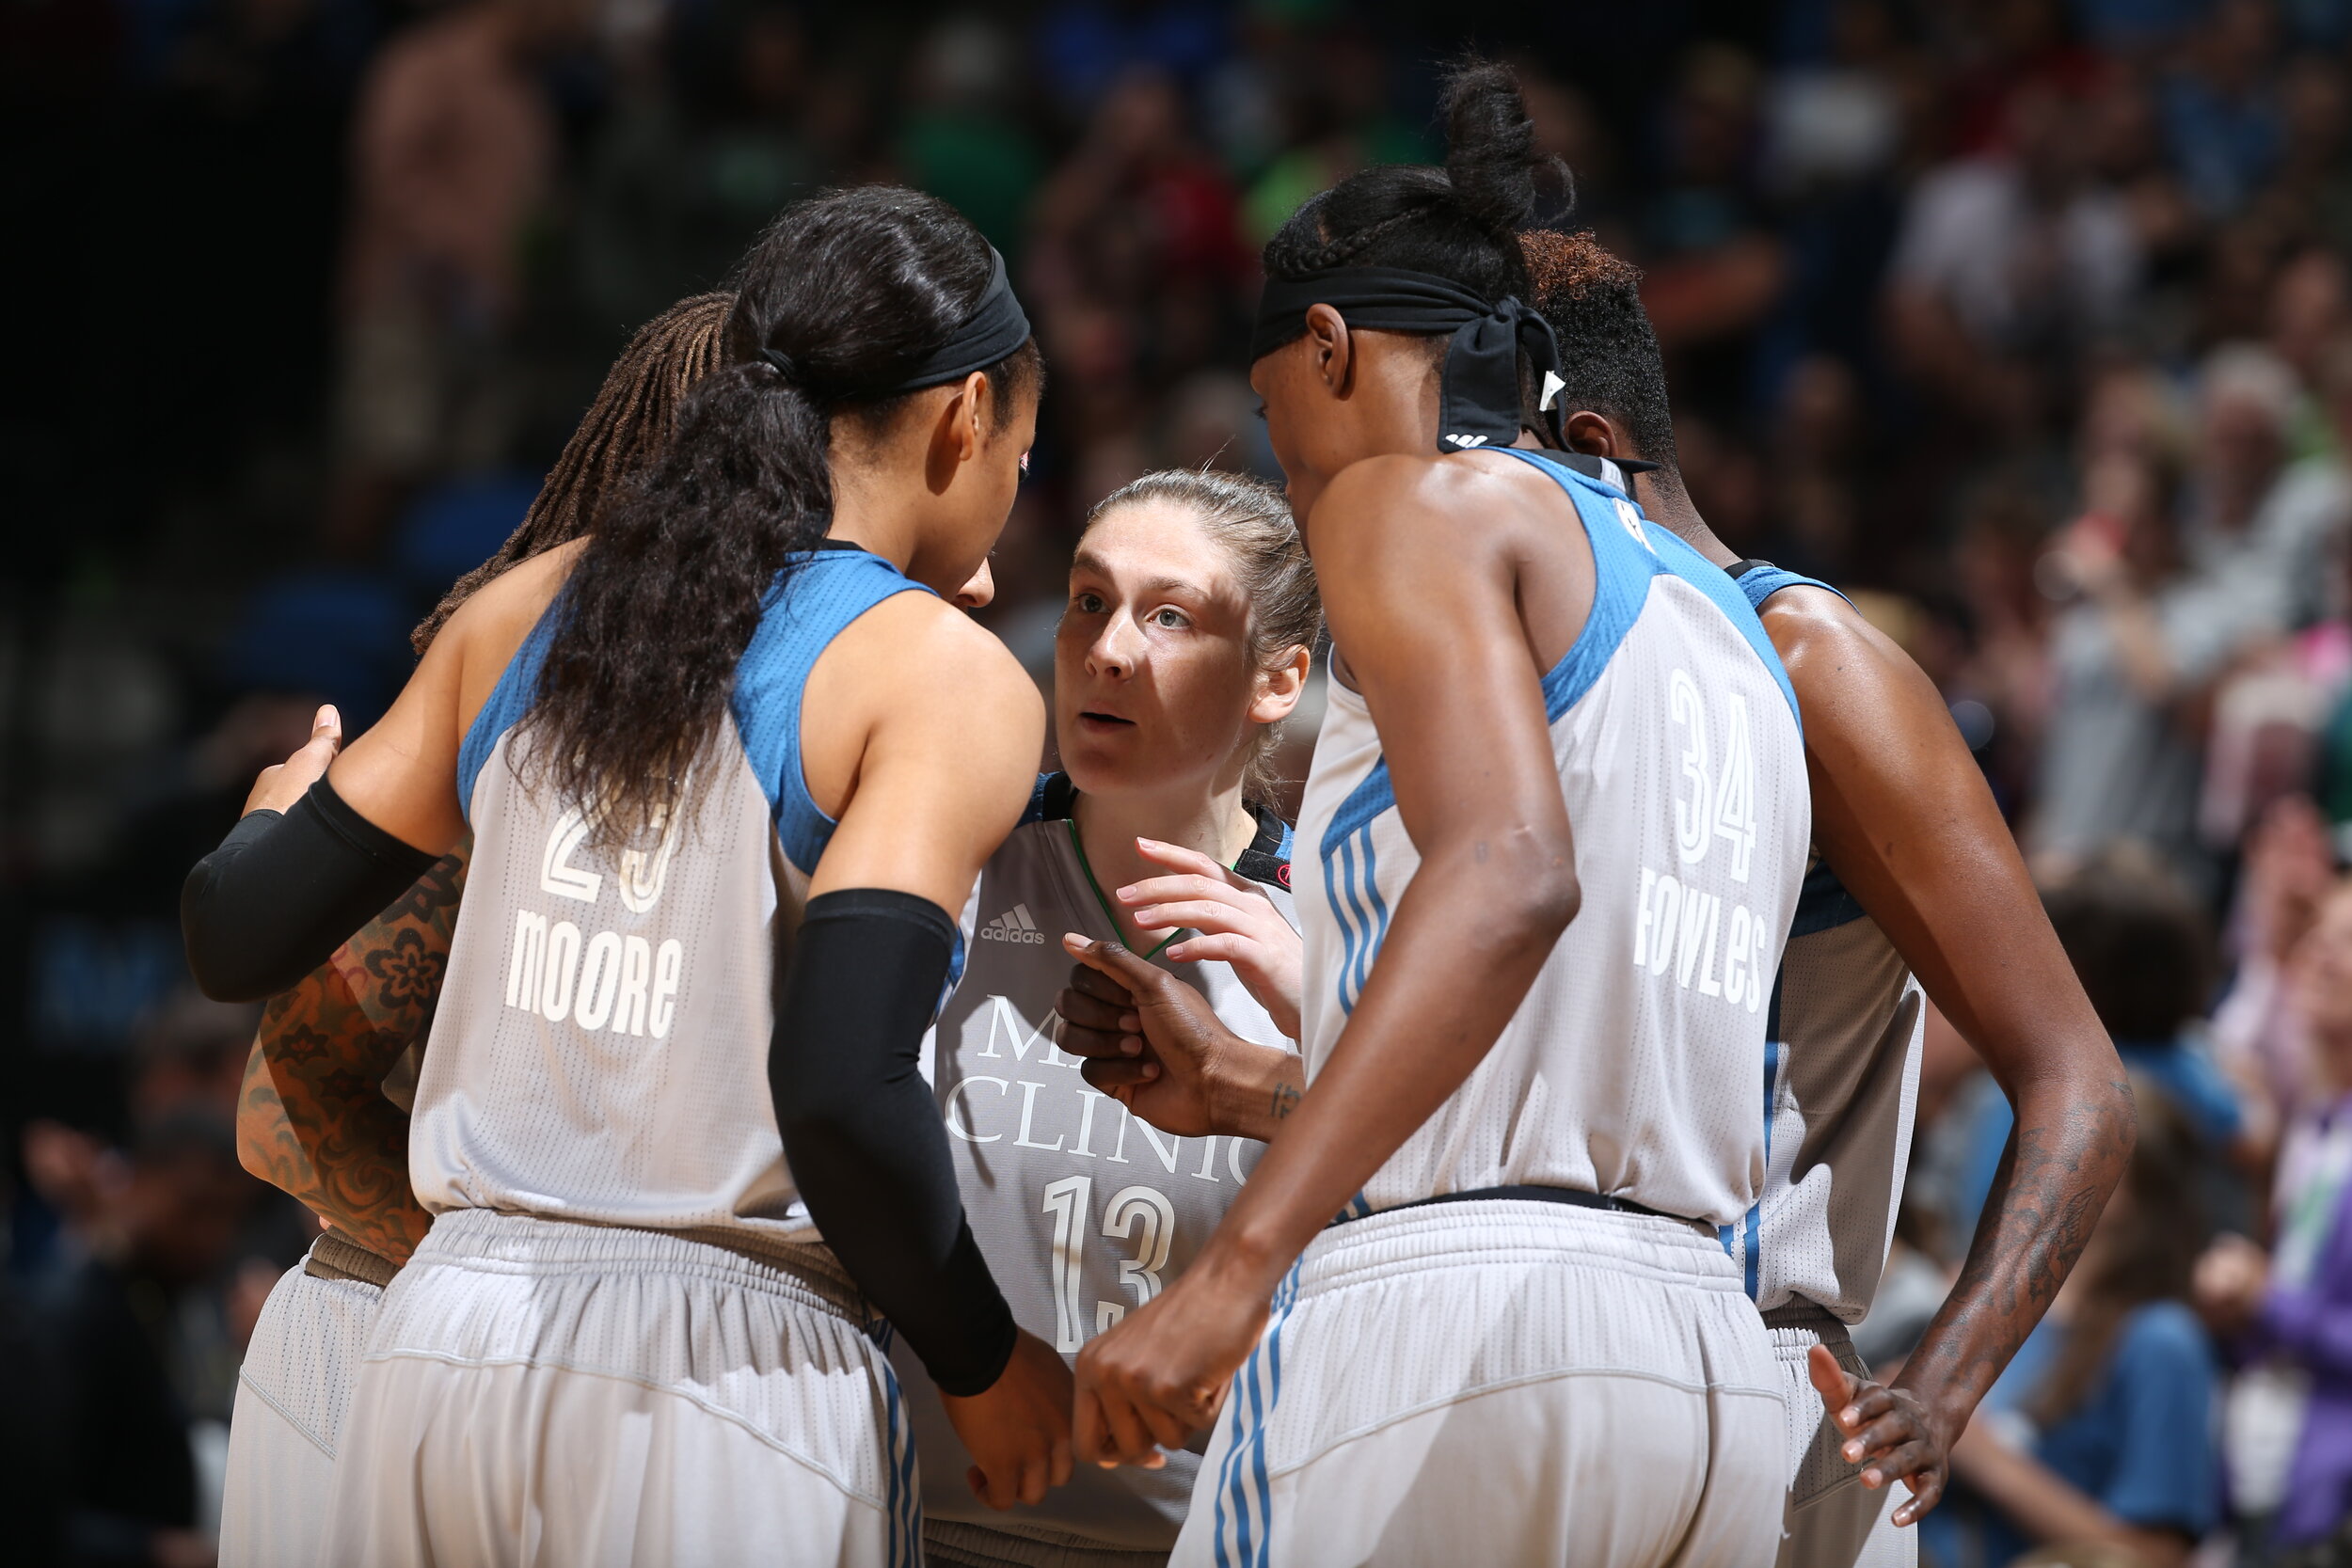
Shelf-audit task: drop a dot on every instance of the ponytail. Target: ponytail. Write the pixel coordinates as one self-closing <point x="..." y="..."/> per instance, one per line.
<point x="844" y="295"/>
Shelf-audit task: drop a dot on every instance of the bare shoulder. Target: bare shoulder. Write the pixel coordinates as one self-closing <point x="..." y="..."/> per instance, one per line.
<point x="1400" y="511"/>
<point x="1848" y="675"/>
<point x="935" y="655"/>
<point x="502" y="610"/>
<point x="1395" y="487"/>
<point x="917" y="679"/>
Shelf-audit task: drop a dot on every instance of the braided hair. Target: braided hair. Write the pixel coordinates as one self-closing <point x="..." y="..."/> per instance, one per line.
<point x="1461" y="222"/>
<point x="625" y="429"/>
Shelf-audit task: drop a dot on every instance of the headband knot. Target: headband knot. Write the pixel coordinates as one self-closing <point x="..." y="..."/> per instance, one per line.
<point x="1479" y="401"/>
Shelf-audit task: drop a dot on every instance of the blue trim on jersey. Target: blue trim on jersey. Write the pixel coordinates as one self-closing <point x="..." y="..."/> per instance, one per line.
<point x="1823" y="904"/>
<point x="517" y="688"/>
<point x="902" y="1498"/>
<point x="1349" y="880"/>
<point x="1243" y="1535"/>
<point x="955" y="975"/>
<point x="1627" y="551"/>
<point x="1762" y="583"/>
<point x="1035" y="809"/>
<point x="812" y="601"/>
<point x="1775" y="1049"/>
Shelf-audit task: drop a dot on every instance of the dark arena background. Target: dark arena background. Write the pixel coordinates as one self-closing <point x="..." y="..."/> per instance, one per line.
<point x="2027" y="322"/>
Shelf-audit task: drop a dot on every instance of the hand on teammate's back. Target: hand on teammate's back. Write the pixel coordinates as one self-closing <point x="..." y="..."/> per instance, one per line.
<point x="1152" y="1043"/>
<point x="1236" y="921"/>
<point x="1017" y="1431"/>
<point x="1887" y="1433"/>
<point x="280" y="785"/>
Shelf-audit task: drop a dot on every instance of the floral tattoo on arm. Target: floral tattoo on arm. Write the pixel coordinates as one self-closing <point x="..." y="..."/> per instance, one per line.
<point x="312" y="1119"/>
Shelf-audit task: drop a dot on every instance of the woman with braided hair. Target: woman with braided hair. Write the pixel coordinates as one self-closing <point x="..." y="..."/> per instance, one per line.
<point x="1550" y="843"/>
<point x="315" y="1118"/>
<point x="729" y="761"/>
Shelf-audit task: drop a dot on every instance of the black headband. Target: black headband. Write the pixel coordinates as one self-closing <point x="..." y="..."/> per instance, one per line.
<point x="996" y="326"/>
<point x="1479" y="402"/>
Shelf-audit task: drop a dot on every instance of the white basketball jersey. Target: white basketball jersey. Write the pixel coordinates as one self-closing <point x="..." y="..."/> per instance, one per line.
<point x="1841" y="1083"/>
<point x="1083" y="1213"/>
<point x="600" y="1051"/>
<point x="1631" y="1066"/>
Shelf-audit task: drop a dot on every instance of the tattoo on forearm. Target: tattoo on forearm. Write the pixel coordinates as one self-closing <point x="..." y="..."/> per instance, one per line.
<point x="312" y="1119"/>
<point x="2046" y="1197"/>
<point x="1285" y="1099"/>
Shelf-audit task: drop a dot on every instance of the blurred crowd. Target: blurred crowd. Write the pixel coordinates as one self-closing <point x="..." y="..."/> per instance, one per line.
<point x="2028" y="321"/>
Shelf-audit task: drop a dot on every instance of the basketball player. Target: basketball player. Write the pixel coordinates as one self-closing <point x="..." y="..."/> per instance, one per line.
<point x="1183" y="644"/>
<point x="1913" y="871"/>
<point x="343" y="1154"/>
<point x="1553" y="836"/>
<point x="724" y="790"/>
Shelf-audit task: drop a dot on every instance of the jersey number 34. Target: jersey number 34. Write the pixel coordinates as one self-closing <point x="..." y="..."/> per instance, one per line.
<point x="1717" y="805"/>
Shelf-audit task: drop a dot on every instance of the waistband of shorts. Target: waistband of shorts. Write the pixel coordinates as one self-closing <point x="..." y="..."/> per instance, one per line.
<point x="807" y="1271"/>
<point x="1482" y="1231"/>
<point x="1572" y="1197"/>
<point x="335" y="1256"/>
<point x="952" y="1541"/>
<point x="1801" y="1324"/>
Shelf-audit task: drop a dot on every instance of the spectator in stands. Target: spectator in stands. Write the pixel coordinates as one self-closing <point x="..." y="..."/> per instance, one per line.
<point x="131" y="1483"/>
<point x="2142" y="947"/>
<point x="2099" y="1434"/>
<point x="2007" y="265"/>
<point x="2291" y="1311"/>
<point x="453" y="144"/>
<point x="2258" y="530"/>
<point x="2119" y="759"/>
<point x="2222" y="108"/>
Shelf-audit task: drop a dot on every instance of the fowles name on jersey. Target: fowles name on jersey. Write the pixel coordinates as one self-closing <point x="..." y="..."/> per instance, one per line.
<point x="1014" y="925"/>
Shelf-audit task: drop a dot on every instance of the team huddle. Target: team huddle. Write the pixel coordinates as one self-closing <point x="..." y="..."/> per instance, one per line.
<point x="755" y="1116"/>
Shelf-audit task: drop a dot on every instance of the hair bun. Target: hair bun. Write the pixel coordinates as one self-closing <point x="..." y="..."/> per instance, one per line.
<point x="1491" y="145"/>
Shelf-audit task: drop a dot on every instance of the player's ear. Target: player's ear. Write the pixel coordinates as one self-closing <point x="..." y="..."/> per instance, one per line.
<point x="1330" y="347"/>
<point x="1279" y="685"/>
<point x="1593" y="434"/>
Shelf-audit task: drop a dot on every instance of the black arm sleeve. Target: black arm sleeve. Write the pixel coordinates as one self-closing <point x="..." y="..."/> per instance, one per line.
<point x="868" y="1148"/>
<point x="282" y="892"/>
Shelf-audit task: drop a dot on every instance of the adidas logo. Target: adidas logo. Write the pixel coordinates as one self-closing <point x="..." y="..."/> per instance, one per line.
<point x="1468" y="441"/>
<point x="1014" y="925"/>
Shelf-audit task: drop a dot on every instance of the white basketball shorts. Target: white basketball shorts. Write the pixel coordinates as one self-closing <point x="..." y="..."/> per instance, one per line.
<point x="1504" y="1381"/>
<point x="291" y="1392"/>
<point x="1833" y="1521"/>
<point x="539" y="1393"/>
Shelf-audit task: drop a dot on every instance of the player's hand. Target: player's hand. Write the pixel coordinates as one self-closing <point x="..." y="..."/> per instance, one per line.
<point x="1018" y="1430"/>
<point x="1236" y="921"/>
<point x="1886" y="1432"/>
<point x="1152" y="1043"/>
<point x="1161" y="1374"/>
<point x="280" y="787"/>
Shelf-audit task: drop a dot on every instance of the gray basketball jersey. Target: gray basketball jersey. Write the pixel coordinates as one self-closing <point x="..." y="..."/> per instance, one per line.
<point x="1841" y="1083"/>
<point x="600" y="1048"/>
<point x="1083" y="1213"/>
<point x="1630" y="1066"/>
